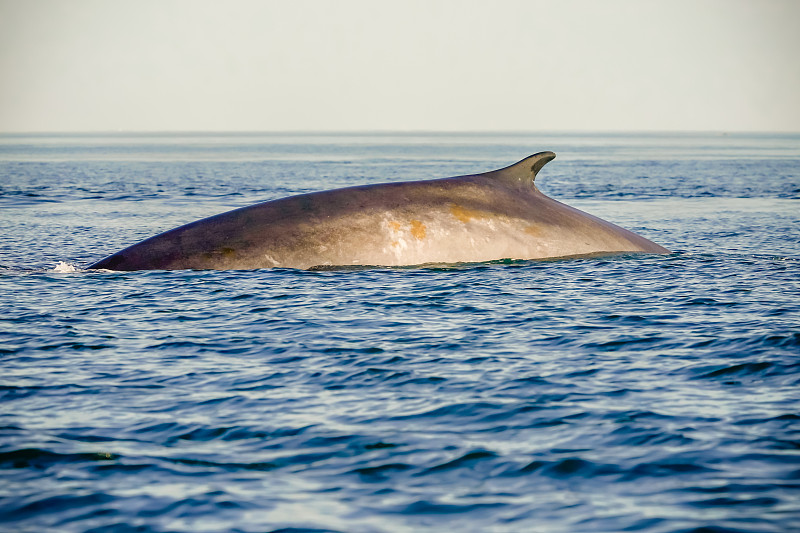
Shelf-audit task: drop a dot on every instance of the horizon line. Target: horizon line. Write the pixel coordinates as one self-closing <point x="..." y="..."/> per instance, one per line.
<point x="394" y="132"/>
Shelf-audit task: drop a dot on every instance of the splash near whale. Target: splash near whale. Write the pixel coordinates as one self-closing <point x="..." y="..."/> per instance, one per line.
<point x="482" y="217"/>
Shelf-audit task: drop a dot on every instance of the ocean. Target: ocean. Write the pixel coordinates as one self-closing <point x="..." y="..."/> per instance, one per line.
<point x="649" y="393"/>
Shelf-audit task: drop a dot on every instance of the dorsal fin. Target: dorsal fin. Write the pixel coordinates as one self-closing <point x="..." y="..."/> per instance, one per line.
<point x="524" y="171"/>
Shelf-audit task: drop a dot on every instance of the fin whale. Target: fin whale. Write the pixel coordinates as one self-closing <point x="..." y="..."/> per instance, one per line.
<point x="481" y="217"/>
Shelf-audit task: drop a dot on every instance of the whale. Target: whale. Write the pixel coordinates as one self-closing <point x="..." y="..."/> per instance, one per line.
<point x="490" y="216"/>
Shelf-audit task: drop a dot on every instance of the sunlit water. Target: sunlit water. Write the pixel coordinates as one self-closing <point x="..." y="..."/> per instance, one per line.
<point x="632" y="393"/>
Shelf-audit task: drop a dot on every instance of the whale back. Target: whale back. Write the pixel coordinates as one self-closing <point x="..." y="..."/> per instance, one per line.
<point x="481" y="217"/>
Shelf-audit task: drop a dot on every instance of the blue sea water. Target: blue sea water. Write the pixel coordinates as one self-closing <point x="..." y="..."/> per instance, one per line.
<point x="630" y="393"/>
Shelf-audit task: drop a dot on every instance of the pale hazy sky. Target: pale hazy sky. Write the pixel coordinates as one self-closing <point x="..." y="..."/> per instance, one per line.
<point x="151" y="65"/>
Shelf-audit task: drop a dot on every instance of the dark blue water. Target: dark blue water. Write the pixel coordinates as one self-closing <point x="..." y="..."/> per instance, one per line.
<point x="633" y="393"/>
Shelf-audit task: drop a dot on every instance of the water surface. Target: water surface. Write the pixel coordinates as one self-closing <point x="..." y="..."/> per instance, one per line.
<point x="631" y="393"/>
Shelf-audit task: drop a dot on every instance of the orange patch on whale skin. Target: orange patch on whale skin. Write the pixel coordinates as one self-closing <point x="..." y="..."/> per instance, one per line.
<point x="395" y="225"/>
<point x="536" y="231"/>
<point x="418" y="229"/>
<point x="465" y="215"/>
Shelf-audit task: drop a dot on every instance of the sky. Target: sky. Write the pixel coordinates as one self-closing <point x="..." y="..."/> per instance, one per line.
<point x="386" y="65"/>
